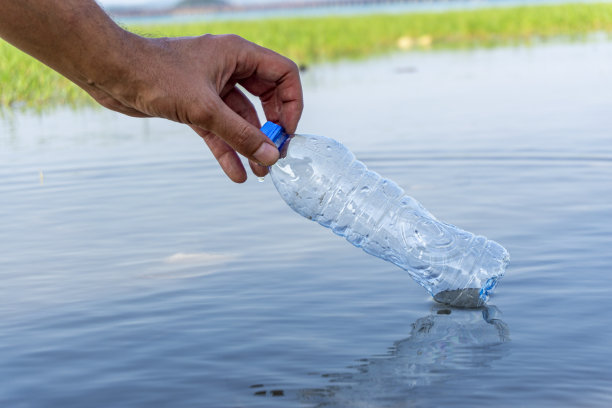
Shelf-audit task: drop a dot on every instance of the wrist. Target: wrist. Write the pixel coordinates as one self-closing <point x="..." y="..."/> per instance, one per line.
<point x="112" y="62"/>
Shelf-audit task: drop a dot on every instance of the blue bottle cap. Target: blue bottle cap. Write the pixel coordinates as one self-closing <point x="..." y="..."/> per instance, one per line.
<point x="275" y="133"/>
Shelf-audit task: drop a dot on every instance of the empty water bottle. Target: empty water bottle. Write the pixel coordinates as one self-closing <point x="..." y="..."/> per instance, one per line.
<point x="320" y="179"/>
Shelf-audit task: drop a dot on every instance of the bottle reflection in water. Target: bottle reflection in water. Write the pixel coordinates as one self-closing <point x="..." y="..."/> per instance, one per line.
<point x="322" y="180"/>
<point x="445" y="353"/>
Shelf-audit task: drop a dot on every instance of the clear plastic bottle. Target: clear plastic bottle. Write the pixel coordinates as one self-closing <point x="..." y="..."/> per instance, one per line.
<point x="322" y="180"/>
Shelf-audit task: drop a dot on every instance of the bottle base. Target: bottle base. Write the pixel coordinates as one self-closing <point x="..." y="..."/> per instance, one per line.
<point x="467" y="298"/>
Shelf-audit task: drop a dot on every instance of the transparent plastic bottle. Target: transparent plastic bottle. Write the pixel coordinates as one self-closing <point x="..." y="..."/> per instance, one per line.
<point x="322" y="180"/>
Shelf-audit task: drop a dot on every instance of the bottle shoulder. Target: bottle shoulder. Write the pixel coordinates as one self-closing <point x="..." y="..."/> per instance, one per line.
<point x="321" y="154"/>
<point x="315" y="144"/>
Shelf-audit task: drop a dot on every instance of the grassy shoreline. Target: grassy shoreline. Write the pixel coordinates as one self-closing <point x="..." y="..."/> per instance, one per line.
<point x="307" y="40"/>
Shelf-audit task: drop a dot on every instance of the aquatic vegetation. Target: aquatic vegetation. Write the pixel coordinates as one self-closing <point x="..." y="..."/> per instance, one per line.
<point x="25" y="82"/>
<point x="314" y="39"/>
<point x="308" y="40"/>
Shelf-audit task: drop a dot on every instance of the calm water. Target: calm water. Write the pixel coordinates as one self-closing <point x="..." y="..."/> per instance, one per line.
<point x="134" y="274"/>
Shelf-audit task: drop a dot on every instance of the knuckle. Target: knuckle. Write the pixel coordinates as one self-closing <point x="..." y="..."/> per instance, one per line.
<point x="205" y="38"/>
<point x="234" y="38"/>
<point x="230" y="40"/>
<point x="293" y="67"/>
<point x="204" y="115"/>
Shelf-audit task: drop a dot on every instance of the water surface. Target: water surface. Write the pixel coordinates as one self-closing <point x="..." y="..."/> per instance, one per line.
<point x="134" y="274"/>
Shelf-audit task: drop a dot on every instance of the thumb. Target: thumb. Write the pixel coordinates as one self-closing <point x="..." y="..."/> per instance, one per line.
<point x="242" y="136"/>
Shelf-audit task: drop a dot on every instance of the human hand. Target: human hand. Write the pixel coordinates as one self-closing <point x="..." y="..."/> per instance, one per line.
<point x="189" y="80"/>
<point x="194" y="81"/>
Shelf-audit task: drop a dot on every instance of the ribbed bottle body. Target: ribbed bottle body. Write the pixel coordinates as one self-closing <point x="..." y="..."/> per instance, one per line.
<point x="323" y="181"/>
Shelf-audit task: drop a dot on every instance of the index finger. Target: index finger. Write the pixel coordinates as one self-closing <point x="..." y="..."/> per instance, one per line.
<point x="276" y="81"/>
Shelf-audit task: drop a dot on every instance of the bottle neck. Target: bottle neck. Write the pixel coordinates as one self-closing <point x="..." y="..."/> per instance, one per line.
<point x="275" y="133"/>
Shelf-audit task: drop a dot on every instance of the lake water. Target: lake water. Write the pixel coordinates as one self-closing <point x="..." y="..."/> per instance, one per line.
<point x="135" y="274"/>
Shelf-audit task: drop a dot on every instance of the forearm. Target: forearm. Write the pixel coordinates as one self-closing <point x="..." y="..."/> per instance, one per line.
<point x="191" y="80"/>
<point x="74" y="37"/>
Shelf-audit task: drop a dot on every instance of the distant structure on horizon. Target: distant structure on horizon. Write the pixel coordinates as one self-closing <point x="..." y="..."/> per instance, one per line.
<point x="186" y="7"/>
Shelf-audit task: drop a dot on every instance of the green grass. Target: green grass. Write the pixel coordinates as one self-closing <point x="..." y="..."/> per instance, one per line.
<point x="309" y="40"/>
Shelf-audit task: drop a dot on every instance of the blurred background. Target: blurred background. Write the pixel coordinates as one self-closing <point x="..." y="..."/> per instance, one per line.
<point x="135" y="274"/>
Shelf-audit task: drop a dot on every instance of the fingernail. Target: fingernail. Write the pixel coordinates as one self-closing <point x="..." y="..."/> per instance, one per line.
<point x="266" y="154"/>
